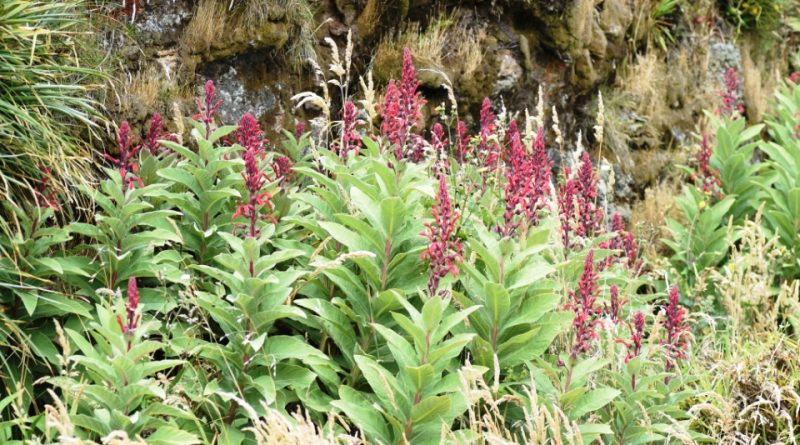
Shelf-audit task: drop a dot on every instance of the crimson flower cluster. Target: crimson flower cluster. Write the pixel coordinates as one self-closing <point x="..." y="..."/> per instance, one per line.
<point x="577" y="202"/>
<point x="615" y="304"/>
<point x="590" y="215"/>
<point x="250" y="136"/>
<point x="125" y="162"/>
<point x="677" y="330"/>
<point x="131" y="322"/>
<point x="488" y="149"/>
<point x="45" y="195"/>
<point x="623" y="241"/>
<point x="462" y="142"/>
<point x="634" y="344"/>
<point x="282" y="166"/>
<point x="439" y="147"/>
<point x="528" y="176"/>
<point x="566" y="197"/>
<point x="637" y="334"/>
<point x="583" y="304"/>
<point x="154" y="133"/>
<point x="707" y="177"/>
<point x="730" y="95"/>
<point x="401" y="113"/>
<point x="351" y="141"/>
<point x="443" y="251"/>
<point x="207" y="108"/>
<point x="299" y="129"/>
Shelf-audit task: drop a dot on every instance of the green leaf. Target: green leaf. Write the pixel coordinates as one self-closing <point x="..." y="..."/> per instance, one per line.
<point x="420" y="375"/>
<point x="359" y="410"/>
<point x="498" y="302"/>
<point x="29" y="300"/>
<point x="592" y="401"/>
<point x="170" y="435"/>
<point x="429" y="409"/>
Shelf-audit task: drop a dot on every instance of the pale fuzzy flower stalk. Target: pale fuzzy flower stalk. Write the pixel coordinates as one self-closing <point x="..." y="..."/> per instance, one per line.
<point x="348" y="54"/>
<point x="530" y="125"/>
<point x="540" y="109"/>
<point x="321" y="102"/>
<point x="557" y="130"/>
<point x="451" y="96"/>
<point x="600" y="123"/>
<point x="177" y="117"/>
<point x="369" y="102"/>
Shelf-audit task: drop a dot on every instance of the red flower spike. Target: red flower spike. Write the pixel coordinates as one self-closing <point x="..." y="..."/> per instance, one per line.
<point x="444" y="251"/>
<point x="677" y="330"/>
<point x="615" y="304"/>
<point x="126" y="162"/>
<point x="401" y="112"/>
<point x="282" y="167"/>
<point x="462" y="145"/>
<point x="577" y="197"/>
<point x="528" y="176"/>
<point x="623" y="241"/>
<point x="299" y="129"/>
<point x="590" y="215"/>
<point x="44" y="194"/>
<point x="730" y="95"/>
<point x="488" y="149"/>
<point x="351" y="141"/>
<point x="250" y="136"/>
<point x="154" y="134"/>
<point x="439" y="144"/>
<point x="583" y="304"/>
<point x="208" y="107"/>
<point x="131" y="322"/>
<point x="567" y="200"/>
<point x="707" y="178"/>
<point x="634" y="344"/>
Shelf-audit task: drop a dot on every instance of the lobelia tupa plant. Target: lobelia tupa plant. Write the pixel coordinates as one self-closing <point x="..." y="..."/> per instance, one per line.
<point x="676" y="330"/>
<point x="131" y="321"/>
<point x="125" y="161"/>
<point x="250" y="137"/>
<point x="355" y="279"/>
<point x="528" y="181"/>
<point x="585" y="321"/>
<point x="401" y="113"/>
<point x="443" y="251"/>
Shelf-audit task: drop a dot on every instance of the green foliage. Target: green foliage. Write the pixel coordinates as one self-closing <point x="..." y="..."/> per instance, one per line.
<point x="754" y="15"/>
<point x="323" y="304"/>
<point x="661" y="14"/>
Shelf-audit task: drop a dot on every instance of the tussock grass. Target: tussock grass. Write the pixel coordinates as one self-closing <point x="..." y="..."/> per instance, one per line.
<point x="445" y="46"/>
<point x="215" y="18"/>
<point x="44" y="87"/>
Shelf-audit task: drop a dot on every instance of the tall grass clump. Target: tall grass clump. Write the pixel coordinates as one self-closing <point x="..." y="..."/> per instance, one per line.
<point x="43" y="92"/>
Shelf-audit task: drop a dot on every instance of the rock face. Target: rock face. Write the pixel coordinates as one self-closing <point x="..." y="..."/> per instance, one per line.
<point x="568" y="46"/>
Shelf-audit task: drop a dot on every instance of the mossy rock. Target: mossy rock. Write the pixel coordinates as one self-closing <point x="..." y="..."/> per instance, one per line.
<point x="240" y="40"/>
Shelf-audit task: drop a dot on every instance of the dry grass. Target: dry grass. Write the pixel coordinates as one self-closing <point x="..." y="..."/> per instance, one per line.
<point x="143" y="90"/>
<point x="648" y="217"/>
<point x="746" y="284"/>
<point x="445" y="48"/>
<point x="298" y="13"/>
<point x="636" y="109"/>
<point x="488" y="426"/>
<point x="215" y="18"/>
<point x="208" y="23"/>
<point x="751" y="392"/>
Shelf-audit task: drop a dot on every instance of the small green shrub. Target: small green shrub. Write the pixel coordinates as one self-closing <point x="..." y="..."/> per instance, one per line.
<point x="754" y="15"/>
